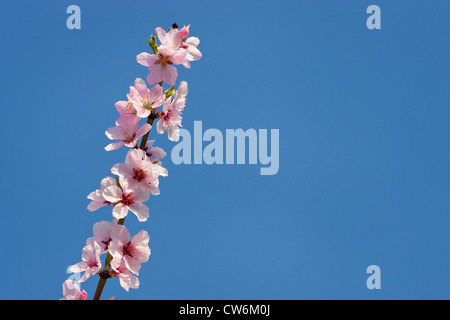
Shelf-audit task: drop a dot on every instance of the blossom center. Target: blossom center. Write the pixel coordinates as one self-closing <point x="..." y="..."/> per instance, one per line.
<point x="127" y="199"/>
<point x="92" y="263"/>
<point x="106" y="243"/>
<point x="147" y="103"/>
<point x="129" y="250"/>
<point x="139" y="174"/>
<point x="128" y="138"/>
<point x="129" y="107"/>
<point x="167" y="116"/>
<point x="163" y="60"/>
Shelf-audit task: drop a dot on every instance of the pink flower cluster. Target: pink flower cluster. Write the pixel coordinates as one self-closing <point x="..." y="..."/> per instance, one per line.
<point x="176" y="48"/>
<point x="138" y="176"/>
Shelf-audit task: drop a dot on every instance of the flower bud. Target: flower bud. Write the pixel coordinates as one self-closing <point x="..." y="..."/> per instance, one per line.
<point x="184" y="32"/>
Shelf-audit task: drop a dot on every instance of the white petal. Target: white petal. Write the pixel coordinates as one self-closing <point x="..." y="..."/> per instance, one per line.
<point x="120" y="233"/>
<point x="112" y="194"/>
<point x="120" y="211"/>
<point x="140" y="210"/>
<point x="95" y="205"/>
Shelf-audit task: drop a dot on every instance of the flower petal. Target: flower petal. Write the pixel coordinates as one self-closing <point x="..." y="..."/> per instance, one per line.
<point x="140" y="210"/>
<point x="155" y="74"/>
<point x="112" y="194"/>
<point x="120" y="211"/>
<point x="170" y="75"/>
<point x="145" y="59"/>
<point x="114" y="145"/>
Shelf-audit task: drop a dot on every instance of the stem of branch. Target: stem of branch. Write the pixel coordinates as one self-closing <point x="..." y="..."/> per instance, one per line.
<point x="150" y="120"/>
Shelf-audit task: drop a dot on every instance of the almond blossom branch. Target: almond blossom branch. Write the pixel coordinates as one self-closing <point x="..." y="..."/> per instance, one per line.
<point x="138" y="177"/>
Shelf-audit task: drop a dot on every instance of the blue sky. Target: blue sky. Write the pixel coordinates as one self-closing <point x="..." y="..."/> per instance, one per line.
<point x="363" y="119"/>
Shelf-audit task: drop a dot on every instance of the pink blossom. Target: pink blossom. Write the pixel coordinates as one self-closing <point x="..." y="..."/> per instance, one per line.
<point x="97" y="196"/>
<point x="71" y="291"/>
<point x="127" y="114"/>
<point x="138" y="176"/>
<point x="170" y="119"/>
<point x="160" y="64"/>
<point x="193" y="54"/>
<point x="124" y="201"/>
<point x="126" y="278"/>
<point x="178" y="40"/>
<point x="145" y="100"/>
<point x="139" y="172"/>
<point x="91" y="263"/>
<point x="171" y="39"/>
<point x="102" y="230"/>
<point x="190" y="45"/>
<point x="129" y="252"/>
<point x="128" y="136"/>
